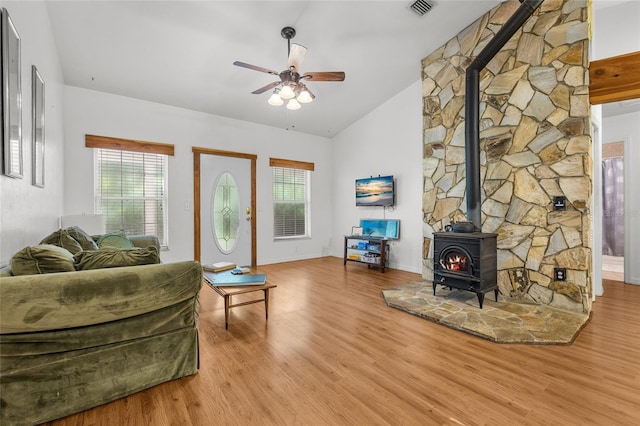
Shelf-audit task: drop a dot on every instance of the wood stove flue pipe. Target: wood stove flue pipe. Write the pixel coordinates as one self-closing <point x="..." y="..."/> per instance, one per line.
<point x="472" y="106"/>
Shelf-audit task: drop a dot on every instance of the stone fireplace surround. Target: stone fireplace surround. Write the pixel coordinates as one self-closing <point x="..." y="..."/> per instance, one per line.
<point x="535" y="141"/>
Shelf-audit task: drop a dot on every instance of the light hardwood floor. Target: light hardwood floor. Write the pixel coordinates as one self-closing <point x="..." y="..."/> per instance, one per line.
<point x="333" y="353"/>
<point x="613" y="268"/>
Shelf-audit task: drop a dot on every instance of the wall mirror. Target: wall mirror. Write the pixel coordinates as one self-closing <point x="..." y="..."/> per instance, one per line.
<point x="37" y="107"/>
<point x="11" y="98"/>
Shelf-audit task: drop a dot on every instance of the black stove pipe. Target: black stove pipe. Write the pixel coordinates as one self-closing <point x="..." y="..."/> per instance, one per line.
<point x="472" y="106"/>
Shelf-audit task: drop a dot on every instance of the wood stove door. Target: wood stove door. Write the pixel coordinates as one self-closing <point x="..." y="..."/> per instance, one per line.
<point x="457" y="260"/>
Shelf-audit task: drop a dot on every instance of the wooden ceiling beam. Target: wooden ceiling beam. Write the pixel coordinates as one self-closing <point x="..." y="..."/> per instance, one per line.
<point x="614" y="79"/>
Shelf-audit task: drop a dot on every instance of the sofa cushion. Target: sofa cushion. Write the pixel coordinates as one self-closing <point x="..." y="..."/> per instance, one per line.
<point x="62" y="238"/>
<point x="82" y="238"/>
<point x="114" y="240"/>
<point x="114" y="258"/>
<point x="42" y="259"/>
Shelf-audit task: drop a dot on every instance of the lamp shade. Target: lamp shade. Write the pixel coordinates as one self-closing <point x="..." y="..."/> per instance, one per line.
<point x="286" y="92"/>
<point x="293" y="104"/>
<point x="304" y="97"/>
<point x="275" y="100"/>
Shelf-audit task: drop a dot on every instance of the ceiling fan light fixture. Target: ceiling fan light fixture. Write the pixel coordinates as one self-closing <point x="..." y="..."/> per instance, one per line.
<point x="287" y="92"/>
<point x="275" y="99"/>
<point x="305" y="97"/>
<point x="293" y="104"/>
<point x="290" y="86"/>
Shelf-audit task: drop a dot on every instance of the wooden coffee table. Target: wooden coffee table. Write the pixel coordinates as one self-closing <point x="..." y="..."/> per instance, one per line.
<point x="229" y="290"/>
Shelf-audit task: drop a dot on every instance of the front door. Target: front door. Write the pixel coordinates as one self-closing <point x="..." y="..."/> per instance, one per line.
<point x="225" y="208"/>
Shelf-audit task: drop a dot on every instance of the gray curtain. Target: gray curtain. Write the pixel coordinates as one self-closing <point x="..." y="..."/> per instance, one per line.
<point x="613" y="206"/>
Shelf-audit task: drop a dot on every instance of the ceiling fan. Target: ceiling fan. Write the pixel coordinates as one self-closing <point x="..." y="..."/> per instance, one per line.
<point x="291" y="85"/>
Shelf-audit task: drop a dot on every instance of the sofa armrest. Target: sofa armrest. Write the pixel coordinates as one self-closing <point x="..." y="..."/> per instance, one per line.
<point x="145" y="241"/>
<point x="76" y="299"/>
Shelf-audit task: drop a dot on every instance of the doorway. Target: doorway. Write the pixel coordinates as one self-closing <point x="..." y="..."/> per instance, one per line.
<point x="224" y="203"/>
<point x="613" y="230"/>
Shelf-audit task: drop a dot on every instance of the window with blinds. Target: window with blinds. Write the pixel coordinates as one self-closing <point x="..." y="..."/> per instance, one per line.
<point x="131" y="191"/>
<point x="290" y="202"/>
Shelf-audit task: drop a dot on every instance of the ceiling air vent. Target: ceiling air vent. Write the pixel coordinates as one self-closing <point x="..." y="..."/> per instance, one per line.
<point x="421" y="7"/>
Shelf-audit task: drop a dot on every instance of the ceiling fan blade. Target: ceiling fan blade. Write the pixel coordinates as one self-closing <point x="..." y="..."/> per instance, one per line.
<point x="296" y="55"/>
<point x="265" y="88"/>
<point x="254" y="67"/>
<point x="324" y="76"/>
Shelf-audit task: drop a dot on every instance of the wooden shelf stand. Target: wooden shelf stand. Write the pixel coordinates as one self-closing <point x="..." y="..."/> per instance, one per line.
<point x="373" y="251"/>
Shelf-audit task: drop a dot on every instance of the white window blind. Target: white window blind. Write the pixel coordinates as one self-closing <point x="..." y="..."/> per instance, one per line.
<point x="131" y="192"/>
<point x="290" y="202"/>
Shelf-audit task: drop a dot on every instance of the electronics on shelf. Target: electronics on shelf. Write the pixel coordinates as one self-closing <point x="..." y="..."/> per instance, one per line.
<point x="381" y="228"/>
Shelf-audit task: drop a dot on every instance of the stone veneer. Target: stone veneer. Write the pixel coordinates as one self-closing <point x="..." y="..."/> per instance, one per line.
<point x="535" y="139"/>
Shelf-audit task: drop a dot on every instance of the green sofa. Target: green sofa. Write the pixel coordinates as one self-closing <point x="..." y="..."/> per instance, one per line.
<point x="70" y="341"/>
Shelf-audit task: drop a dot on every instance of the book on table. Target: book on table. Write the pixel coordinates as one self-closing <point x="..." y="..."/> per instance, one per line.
<point x="226" y="279"/>
<point x="219" y="266"/>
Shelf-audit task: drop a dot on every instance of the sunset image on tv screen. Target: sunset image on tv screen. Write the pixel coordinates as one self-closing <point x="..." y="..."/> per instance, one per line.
<point x="375" y="191"/>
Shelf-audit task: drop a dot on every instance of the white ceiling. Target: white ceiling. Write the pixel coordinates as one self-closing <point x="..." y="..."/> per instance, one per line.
<point x="181" y="52"/>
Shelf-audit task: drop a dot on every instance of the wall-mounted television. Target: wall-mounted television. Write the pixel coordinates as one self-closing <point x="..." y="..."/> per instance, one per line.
<point x="375" y="191"/>
<point x="381" y="228"/>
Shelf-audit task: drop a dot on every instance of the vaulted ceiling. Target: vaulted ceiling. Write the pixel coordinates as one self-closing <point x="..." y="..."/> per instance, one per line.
<point x="181" y="53"/>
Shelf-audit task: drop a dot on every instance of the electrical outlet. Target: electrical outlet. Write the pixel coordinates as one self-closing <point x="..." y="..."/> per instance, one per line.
<point x="560" y="274"/>
<point x="559" y="203"/>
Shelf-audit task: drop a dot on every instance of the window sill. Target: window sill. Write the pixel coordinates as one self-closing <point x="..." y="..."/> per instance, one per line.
<point x="301" y="237"/>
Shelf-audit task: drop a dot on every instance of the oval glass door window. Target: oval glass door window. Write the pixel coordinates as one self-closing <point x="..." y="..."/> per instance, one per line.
<point x="225" y="212"/>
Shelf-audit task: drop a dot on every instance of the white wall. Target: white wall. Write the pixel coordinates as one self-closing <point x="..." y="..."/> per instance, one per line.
<point x="616" y="32"/>
<point x="626" y="128"/>
<point x="596" y="202"/>
<point x="616" y="29"/>
<point x="387" y="141"/>
<point x="91" y="112"/>
<point x="28" y="213"/>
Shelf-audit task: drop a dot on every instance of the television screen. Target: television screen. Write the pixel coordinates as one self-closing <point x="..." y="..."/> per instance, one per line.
<point x="381" y="228"/>
<point x="375" y="191"/>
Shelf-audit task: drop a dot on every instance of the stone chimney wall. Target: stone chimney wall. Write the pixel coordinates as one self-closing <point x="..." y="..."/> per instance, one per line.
<point x="536" y="144"/>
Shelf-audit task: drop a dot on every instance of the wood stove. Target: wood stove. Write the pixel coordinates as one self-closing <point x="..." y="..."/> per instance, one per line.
<point x="466" y="261"/>
<point x="462" y="260"/>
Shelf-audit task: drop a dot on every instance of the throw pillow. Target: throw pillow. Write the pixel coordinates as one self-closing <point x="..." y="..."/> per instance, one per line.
<point x="42" y="259"/>
<point x="114" y="258"/>
<point x="114" y="240"/>
<point x="85" y="240"/>
<point x="61" y="238"/>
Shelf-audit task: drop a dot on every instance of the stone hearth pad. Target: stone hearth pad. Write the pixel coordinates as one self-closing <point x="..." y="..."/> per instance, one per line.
<point x="500" y="322"/>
